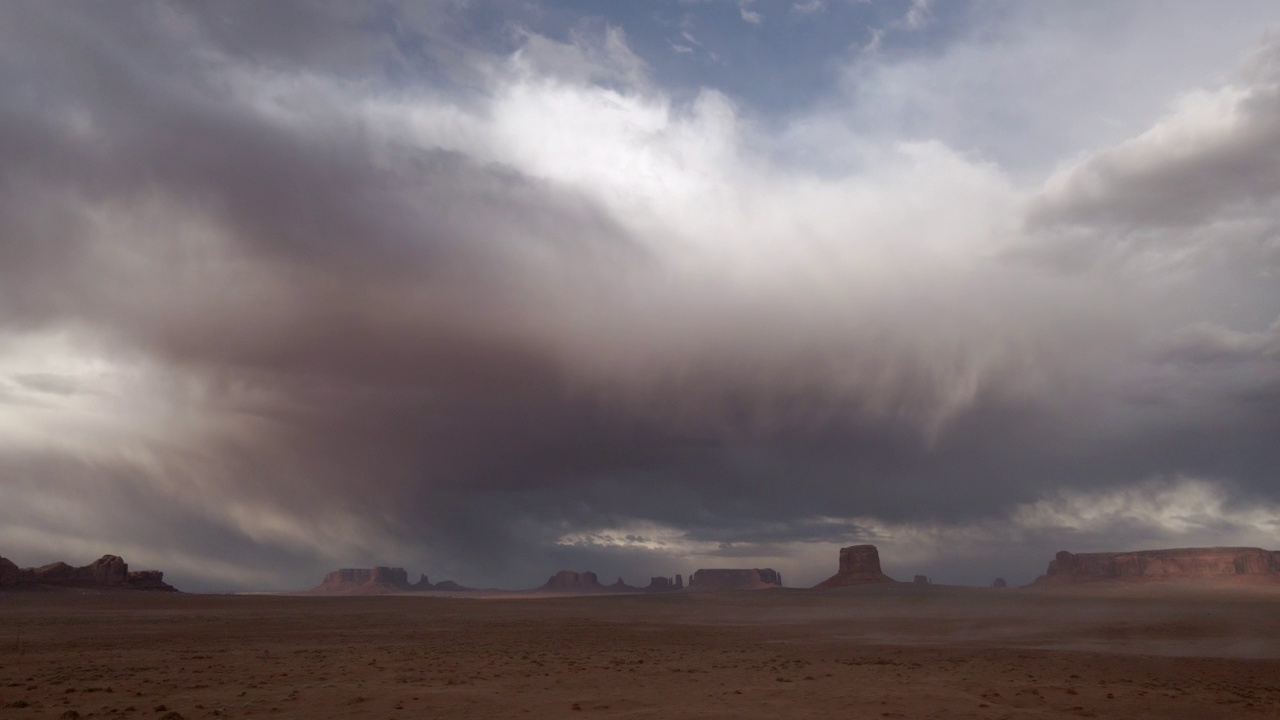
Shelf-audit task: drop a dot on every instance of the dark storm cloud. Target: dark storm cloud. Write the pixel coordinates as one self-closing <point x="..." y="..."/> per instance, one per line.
<point x="345" y="343"/>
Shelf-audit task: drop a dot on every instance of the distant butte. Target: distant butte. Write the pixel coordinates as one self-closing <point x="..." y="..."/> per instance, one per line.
<point x="734" y="579"/>
<point x="107" y="572"/>
<point x="568" y="582"/>
<point x="859" y="565"/>
<point x="665" y="584"/>
<point x="378" y="581"/>
<point x="1227" y="565"/>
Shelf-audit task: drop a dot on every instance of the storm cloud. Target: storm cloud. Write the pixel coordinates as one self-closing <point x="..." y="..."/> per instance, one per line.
<point x="489" y="293"/>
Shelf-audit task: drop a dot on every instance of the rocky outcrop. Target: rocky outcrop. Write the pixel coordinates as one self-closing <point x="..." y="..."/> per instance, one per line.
<point x="568" y="581"/>
<point x="662" y="584"/>
<point x="9" y="573"/>
<point x="364" y="581"/>
<point x="148" y="580"/>
<point x="1219" y="563"/>
<point x="378" y="581"/>
<point x="735" y="579"/>
<point x="859" y="565"/>
<point x="450" y="586"/>
<point x="999" y="583"/>
<point x="108" y="571"/>
<point x="621" y="586"/>
<point x="921" y="580"/>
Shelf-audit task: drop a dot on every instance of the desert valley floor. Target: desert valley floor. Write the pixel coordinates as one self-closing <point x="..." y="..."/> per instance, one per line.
<point x="878" y="652"/>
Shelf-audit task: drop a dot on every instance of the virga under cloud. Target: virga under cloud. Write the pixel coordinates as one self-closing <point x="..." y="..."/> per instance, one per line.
<point x="456" y="286"/>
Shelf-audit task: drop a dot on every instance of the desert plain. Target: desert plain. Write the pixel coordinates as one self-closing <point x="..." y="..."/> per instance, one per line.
<point x="897" y="651"/>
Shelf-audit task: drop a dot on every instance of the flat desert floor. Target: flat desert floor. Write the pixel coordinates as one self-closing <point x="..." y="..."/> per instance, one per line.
<point x="882" y="652"/>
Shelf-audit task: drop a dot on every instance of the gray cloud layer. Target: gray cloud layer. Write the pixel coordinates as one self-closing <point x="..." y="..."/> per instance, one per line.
<point x="284" y="287"/>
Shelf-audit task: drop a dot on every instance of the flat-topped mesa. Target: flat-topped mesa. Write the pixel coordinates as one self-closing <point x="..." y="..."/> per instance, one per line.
<point x="735" y="579"/>
<point x="568" y="581"/>
<point x="108" y="571"/>
<point x="859" y="565"/>
<point x="921" y="580"/>
<point x="1180" y="564"/>
<point x="366" y="581"/>
<point x="999" y="583"/>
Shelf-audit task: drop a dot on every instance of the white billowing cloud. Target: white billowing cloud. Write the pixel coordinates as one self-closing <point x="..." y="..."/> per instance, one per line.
<point x="1207" y="343"/>
<point x="1215" y="151"/>
<point x="809" y="7"/>
<point x="840" y="266"/>
<point x="918" y="15"/>
<point x="593" y="55"/>
<point x="1019" y="89"/>
<point x="748" y="15"/>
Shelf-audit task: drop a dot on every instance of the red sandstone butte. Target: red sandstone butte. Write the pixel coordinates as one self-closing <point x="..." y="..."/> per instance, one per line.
<point x="859" y="565"/>
<point x="108" y="571"/>
<point x="734" y="579"/>
<point x="1217" y="564"/>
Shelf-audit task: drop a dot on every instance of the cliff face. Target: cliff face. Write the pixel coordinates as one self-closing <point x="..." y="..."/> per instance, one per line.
<point x="859" y="565"/>
<point x="108" y="571"/>
<point x="1162" y="565"/>
<point x="735" y="579"/>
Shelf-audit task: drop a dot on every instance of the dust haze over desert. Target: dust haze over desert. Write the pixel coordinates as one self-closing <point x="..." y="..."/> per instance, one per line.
<point x="641" y="306"/>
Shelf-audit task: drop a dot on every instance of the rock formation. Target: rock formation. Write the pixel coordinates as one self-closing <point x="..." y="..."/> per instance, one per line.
<point x="567" y="581"/>
<point x="450" y="586"/>
<point x="999" y="583"/>
<point x="377" y="581"/>
<point x="108" y="571"/>
<point x="662" y="584"/>
<point x="1219" y="563"/>
<point x="735" y="579"/>
<point x="859" y="565"/>
<point x="921" y="580"/>
<point x="364" y="581"/>
<point x="9" y="573"/>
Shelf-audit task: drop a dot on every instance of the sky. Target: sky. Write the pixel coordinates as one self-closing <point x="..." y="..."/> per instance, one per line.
<point x="489" y="289"/>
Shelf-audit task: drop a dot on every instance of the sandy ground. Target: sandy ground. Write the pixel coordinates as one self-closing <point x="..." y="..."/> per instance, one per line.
<point x="901" y="652"/>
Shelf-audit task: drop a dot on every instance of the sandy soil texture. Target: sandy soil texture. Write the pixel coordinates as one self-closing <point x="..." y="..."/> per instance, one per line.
<point x="888" y="652"/>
